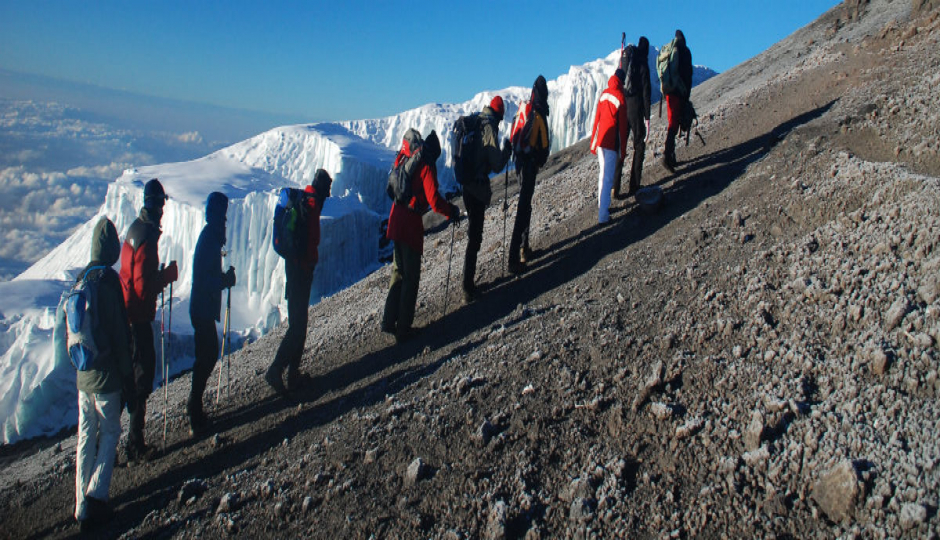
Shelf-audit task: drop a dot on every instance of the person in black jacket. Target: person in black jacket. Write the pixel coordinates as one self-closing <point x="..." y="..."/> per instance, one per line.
<point x="675" y="101"/>
<point x="477" y="193"/>
<point x="205" y="305"/>
<point x="637" y="93"/>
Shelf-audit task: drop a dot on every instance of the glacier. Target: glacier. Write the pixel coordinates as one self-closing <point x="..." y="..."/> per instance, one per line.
<point x="38" y="397"/>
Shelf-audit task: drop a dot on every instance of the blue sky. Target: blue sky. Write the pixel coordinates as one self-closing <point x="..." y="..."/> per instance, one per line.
<point x="351" y="59"/>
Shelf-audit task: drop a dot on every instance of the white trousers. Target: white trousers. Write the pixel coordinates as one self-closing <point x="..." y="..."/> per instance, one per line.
<point x="99" y="428"/>
<point x="607" y="161"/>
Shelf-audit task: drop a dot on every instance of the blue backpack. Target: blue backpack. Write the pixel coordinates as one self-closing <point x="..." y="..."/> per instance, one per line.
<point x="80" y="309"/>
<point x="290" y="224"/>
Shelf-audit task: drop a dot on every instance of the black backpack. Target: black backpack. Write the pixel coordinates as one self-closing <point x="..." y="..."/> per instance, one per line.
<point x="467" y="142"/>
<point x="399" y="178"/>
<point x="290" y="224"/>
<point x="631" y="84"/>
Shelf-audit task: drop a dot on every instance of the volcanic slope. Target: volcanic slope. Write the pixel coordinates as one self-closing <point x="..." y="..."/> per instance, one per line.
<point x="757" y="358"/>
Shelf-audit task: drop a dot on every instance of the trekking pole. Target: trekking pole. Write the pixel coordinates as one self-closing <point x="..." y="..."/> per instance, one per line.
<point x="225" y="347"/>
<point x="166" y="367"/>
<point x="505" y="211"/>
<point x="453" y="232"/>
<point x="163" y="349"/>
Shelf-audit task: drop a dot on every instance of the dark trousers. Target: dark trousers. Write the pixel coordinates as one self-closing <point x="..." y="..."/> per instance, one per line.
<point x="402" y="290"/>
<point x="520" y="229"/>
<point x="291" y="349"/>
<point x="207" y="353"/>
<point x="637" y="129"/>
<point x="476" y="210"/>
<point x="145" y="366"/>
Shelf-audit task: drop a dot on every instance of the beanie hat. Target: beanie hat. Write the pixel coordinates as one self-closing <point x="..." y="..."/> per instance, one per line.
<point x="620" y="75"/>
<point x="680" y="35"/>
<point x="432" y="147"/>
<point x="216" y="207"/>
<point x="154" y="196"/>
<point x="497" y="105"/>
<point x="321" y="183"/>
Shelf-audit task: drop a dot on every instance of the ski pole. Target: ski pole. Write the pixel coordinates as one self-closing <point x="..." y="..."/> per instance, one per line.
<point x="166" y="367"/>
<point x="228" y="332"/>
<point x="453" y="232"/>
<point x="163" y="349"/>
<point x="505" y="211"/>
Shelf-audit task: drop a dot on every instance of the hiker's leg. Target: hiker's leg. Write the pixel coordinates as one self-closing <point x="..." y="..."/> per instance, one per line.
<point x="206" y="340"/>
<point x="523" y="211"/>
<point x="411" y="277"/>
<point x="299" y="318"/>
<point x="85" y="450"/>
<point x="145" y="366"/>
<point x="476" y="211"/>
<point x="607" y="164"/>
<point x="393" y="298"/>
<point x="108" y="411"/>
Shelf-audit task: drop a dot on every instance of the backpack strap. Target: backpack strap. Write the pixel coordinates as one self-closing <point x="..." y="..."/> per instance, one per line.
<point x="84" y="277"/>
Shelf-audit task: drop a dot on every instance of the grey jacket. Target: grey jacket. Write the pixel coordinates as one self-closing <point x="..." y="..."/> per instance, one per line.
<point x="493" y="159"/>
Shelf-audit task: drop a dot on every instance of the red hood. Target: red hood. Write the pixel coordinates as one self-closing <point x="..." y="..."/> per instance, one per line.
<point x="614" y="83"/>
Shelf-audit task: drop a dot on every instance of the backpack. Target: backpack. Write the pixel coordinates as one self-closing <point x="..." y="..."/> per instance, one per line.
<point x="667" y="67"/>
<point x="687" y="120"/>
<point x="632" y="84"/>
<point x="521" y="130"/>
<point x="399" y="178"/>
<point x="80" y="306"/>
<point x="290" y="224"/>
<point x="467" y="142"/>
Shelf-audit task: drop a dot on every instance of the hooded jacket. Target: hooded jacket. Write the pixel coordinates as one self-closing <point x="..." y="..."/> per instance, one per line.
<point x="112" y="335"/>
<point x="492" y="158"/>
<point x="685" y="63"/>
<point x="610" y="121"/>
<point x="314" y="208"/>
<point x="644" y="91"/>
<point x="205" y="301"/>
<point x="140" y="267"/>
<point x="404" y="222"/>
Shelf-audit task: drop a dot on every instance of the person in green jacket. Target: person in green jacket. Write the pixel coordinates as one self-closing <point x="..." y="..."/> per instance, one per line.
<point x="101" y="385"/>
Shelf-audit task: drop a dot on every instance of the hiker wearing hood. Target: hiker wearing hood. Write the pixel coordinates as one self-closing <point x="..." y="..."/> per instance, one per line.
<point x="609" y="140"/>
<point x="205" y="305"/>
<point x="477" y="193"/>
<point x="637" y="93"/>
<point x="676" y="100"/>
<point x="99" y="388"/>
<point x="143" y="281"/>
<point x="531" y="146"/>
<point x="406" y="230"/>
<point x="299" y="282"/>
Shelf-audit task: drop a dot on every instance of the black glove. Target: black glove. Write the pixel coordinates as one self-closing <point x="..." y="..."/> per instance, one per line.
<point x="507" y="145"/>
<point x="228" y="278"/>
<point x="454" y="213"/>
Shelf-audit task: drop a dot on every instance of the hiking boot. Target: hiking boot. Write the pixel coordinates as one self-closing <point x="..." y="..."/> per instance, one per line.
<point x="275" y="380"/>
<point x="387" y="328"/>
<point x="199" y="425"/>
<point x="297" y="381"/>
<point x="138" y="453"/>
<point x="470" y="294"/>
<point x="516" y="267"/>
<point x="99" y="512"/>
<point x="526" y="255"/>
<point x="405" y="334"/>
<point x="669" y="165"/>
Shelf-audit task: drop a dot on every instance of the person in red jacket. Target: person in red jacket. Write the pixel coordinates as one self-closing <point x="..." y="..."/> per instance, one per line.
<point x="299" y="273"/>
<point x="406" y="229"/>
<point x="609" y="134"/>
<point x="142" y="281"/>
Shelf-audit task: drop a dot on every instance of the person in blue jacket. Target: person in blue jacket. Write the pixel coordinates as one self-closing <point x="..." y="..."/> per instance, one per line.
<point x="205" y="305"/>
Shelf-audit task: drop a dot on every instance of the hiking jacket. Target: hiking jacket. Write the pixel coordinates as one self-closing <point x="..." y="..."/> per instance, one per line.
<point x="141" y="277"/>
<point x="205" y="300"/>
<point x="642" y="52"/>
<point x="492" y="158"/>
<point x="685" y="66"/>
<point x="537" y="147"/>
<point x="610" y="121"/>
<point x="404" y="222"/>
<point x="112" y="335"/>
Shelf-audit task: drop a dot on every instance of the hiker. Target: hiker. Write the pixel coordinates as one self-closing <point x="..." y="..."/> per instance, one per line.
<point x="100" y="383"/>
<point x="406" y="230"/>
<point x="299" y="275"/>
<point x="531" y="147"/>
<point x="205" y="305"/>
<point x="143" y="280"/>
<point x="676" y="98"/>
<point x="477" y="192"/>
<point x="609" y="135"/>
<point x="637" y="93"/>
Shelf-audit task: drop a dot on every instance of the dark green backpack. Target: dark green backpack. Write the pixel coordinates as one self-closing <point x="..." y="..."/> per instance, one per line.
<point x="399" y="178"/>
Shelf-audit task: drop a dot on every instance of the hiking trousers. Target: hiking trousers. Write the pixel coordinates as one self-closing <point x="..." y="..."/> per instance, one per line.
<point x="99" y="428"/>
<point x="476" y="210"/>
<point x="291" y="349"/>
<point x="674" y="106"/>
<point x="402" y="289"/>
<point x="607" y="161"/>
<point x="145" y="366"/>
<point x="637" y="127"/>
<point x="207" y="354"/>
<point x="520" y="229"/>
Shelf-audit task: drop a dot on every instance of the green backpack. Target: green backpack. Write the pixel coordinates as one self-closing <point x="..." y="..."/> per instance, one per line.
<point x="667" y="67"/>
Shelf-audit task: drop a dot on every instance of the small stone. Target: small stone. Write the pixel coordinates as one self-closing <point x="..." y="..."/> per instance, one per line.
<point x="190" y="491"/>
<point x="416" y="472"/>
<point x="661" y="411"/>
<point x="307" y="504"/>
<point x="879" y="361"/>
<point x="754" y="433"/>
<point x="280" y="510"/>
<point x="370" y="456"/>
<point x="837" y="492"/>
<point x="582" y="510"/>
<point x="267" y="489"/>
<point x="896" y="313"/>
<point x="485" y="432"/>
<point x="228" y="503"/>
<point x="496" y="522"/>
<point x="912" y="515"/>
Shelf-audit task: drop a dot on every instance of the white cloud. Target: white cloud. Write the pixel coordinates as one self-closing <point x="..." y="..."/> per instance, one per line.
<point x="191" y="137"/>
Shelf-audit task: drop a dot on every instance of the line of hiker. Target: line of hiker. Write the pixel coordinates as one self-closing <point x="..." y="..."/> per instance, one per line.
<point x="104" y="323"/>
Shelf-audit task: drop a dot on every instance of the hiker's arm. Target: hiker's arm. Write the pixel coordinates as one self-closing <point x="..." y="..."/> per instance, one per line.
<point x="113" y="316"/>
<point x="647" y="92"/>
<point x="429" y="180"/>
<point x="622" y="123"/>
